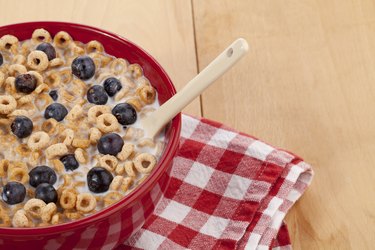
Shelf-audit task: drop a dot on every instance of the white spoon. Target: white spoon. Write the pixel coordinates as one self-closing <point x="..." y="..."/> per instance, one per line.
<point x="156" y="120"/>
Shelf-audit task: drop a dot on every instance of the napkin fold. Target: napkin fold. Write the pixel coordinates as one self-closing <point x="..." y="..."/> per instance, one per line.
<point x="228" y="190"/>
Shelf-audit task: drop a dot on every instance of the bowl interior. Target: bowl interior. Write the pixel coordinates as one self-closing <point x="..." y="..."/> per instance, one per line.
<point x="122" y="48"/>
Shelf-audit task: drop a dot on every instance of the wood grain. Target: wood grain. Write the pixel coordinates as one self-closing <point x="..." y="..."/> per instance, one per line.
<point x="307" y="85"/>
<point x="163" y="28"/>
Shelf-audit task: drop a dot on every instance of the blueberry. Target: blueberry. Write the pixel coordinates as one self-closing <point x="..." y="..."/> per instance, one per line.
<point x="97" y="95"/>
<point x="83" y="67"/>
<point x="53" y="94"/>
<point x="22" y="126"/>
<point x="56" y="111"/>
<point x="48" y="49"/>
<point x="46" y="192"/>
<point x="125" y="113"/>
<point x="13" y="193"/>
<point x="70" y="162"/>
<point x="25" y="83"/>
<point x="42" y="174"/>
<point x="112" y="86"/>
<point x="99" y="179"/>
<point x="1" y="59"/>
<point x="110" y="144"/>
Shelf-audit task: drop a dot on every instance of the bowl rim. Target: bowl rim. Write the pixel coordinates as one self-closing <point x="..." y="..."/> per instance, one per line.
<point x="146" y="185"/>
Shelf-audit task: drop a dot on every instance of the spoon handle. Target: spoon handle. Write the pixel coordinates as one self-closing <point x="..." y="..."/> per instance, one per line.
<point x="165" y="113"/>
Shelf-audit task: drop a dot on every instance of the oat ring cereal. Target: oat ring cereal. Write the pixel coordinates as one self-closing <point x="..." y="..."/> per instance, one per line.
<point x="38" y="140"/>
<point x="86" y="202"/>
<point x="94" y="46"/>
<point x="18" y="174"/>
<point x="107" y="123"/>
<point x="37" y="60"/>
<point x="62" y="39"/>
<point x="41" y="35"/>
<point x="71" y="140"/>
<point x="48" y="211"/>
<point x="7" y="104"/>
<point x="34" y="207"/>
<point x="96" y="111"/>
<point x="16" y="69"/>
<point x="144" y="163"/>
<point x="20" y="219"/>
<point x="68" y="199"/>
<point x="9" y="42"/>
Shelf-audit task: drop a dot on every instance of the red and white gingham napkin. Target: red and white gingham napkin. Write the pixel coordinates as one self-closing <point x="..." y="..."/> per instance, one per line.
<point x="228" y="190"/>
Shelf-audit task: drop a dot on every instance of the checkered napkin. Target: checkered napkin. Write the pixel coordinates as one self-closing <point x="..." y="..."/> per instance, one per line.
<point x="228" y="190"/>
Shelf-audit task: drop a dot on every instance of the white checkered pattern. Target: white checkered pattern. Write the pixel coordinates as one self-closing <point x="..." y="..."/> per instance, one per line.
<point x="228" y="190"/>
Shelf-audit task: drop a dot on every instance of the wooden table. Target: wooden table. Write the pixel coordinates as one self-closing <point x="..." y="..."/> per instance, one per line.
<point x="307" y="85"/>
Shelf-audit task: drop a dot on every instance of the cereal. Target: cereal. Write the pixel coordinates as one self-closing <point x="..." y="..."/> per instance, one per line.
<point x="19" y="59"/>
<point x="129" y="169"/>
<point x="86" y="202"/>
<point x="96" y="111"/>
<point x="116" y="183"/>
<point x="68" y="136"/>
<point x="53" y="79"/>
<point x="2" y="78"/>
<point x="75" y="113"/>
<point x="72" y="215"/>
<point x="4" y="166"/>
<point x="7" y="104"/>
<point x="126" y="151"/>
<point x="69" y="139"/>
<point x="81" y="143"/>
<point x="122" y="93"/>
<point x="20" y="219"/>
<point x="118" y="66"/>
<point x="34" y="207"/>
<point x="41" y="35"/>
<point x="9" y="42"/>
<point x="37" y="60"/>
<point x="81" y="156"/>
<point x="49" y="126"/>
<point x="94" y="46"/>
<point x="58" y="166"/>
<point x="146" y="142"/>
<point x="4" y="219"/>
<point x="19" y="175"/>
<point x="147" y="94"/>
<point x="120" y="169"/>
<point x="38" y="140"/>
<point x="62" y="39"/>
<point x="95" y="135"/>
<point x="109" y="162"/>
<point x="48" y="211"/>
<point x="41" y="88"/>
<point x="144" y="163"/>
<point x="136" y="103"/>
<point x="107" y="123"/>
<point x="135" y="71"/>
<point x="17" y="69"/>
<point x="112" y="198"/>
<point x="56" y="62"/>
<point x="68" y="199"/>
<point x="55" y="219"/>
<point x="56" y="150"/>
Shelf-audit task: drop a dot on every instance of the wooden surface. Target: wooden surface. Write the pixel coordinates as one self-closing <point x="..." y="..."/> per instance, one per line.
<point x="307" y="85"/>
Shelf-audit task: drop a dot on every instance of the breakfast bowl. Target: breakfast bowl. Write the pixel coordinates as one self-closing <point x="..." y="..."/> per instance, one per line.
<point x="112" y="225"/>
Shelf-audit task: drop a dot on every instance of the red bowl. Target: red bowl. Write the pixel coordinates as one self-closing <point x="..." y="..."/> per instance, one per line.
<point x="113" y="225"/>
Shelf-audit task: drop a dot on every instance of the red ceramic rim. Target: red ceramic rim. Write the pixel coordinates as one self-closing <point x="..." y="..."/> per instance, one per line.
<point x="145" y="186"/>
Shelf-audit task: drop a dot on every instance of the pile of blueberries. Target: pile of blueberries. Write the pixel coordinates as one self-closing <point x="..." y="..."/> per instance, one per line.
<point x="43" y="177"/>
